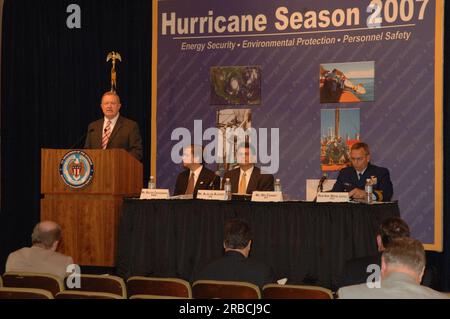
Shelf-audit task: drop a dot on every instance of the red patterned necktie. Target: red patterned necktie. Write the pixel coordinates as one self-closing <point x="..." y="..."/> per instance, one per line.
<point x="106" y="134"/>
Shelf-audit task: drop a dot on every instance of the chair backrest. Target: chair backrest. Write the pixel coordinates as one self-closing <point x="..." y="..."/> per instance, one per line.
<point x="212" y="289"/>
<point x="72" y="294"/>
<point x="275" y="291"/>
<point x="154" y="297"/>
<point x="101" y="283"/>
<point x="48" y="282"/>
<point x="172" y="287"/>
<point x="24" y="293"/>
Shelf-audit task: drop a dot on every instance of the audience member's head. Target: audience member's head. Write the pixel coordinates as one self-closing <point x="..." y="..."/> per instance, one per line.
<point x="47" y="235"/>
<point x="404" y="255"/>
<point x="237" y="236"/>
<point x="391" y="228"/>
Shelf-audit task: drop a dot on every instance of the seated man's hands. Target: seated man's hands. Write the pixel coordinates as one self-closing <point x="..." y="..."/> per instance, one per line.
<point x="357" y="193"/>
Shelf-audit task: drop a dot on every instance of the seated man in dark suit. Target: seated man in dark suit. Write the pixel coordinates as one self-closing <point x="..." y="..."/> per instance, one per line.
<point x="353" y="179"/>
<point x="248" y="178"/>
<point x="114" y="130"/>
<point x="235" y="264"/>
<point x="195" y="176"/>
<point x="355" y="270"/>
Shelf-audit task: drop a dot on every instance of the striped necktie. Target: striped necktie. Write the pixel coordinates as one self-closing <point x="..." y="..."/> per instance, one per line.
<point x="106" y="135"/>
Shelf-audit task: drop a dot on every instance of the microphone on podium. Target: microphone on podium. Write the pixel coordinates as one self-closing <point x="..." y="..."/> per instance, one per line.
<point x="81" y="138"/>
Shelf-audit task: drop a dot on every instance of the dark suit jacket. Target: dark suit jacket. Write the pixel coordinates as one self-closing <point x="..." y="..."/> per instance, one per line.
<point x="206" y="180"/>
<point x="233" y="266"/>
<point x="348" y="180"/>
<point x="355" y="271"/>
<point x="257" y="182"/>
<point x="125" y="135"/>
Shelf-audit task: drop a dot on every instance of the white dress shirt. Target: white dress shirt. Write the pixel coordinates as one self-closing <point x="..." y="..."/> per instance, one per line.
<point x="113" y="123"/>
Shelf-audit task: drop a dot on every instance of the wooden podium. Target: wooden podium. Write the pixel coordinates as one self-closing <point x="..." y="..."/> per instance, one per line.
<point x="89" y="216"/>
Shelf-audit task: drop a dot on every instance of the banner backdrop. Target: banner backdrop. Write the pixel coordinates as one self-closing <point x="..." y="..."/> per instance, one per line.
<point x="375" y="65"/>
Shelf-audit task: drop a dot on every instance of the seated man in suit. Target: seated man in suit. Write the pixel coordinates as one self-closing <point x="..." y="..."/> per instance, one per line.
<point x="353" y="179"/>
<point x="235" y="264"/>
<point x="42" y="256"/>
<point x="195" y="176"/>
<point x="355" y="270"/>
<point x="114" y="130"/>
<point x="402" y="267"/>
<point x="248" y="178"/>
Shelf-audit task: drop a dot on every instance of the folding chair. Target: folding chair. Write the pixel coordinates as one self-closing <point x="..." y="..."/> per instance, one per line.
<point x="48" y="282"/>
<point x="72" y="294"/>
<point x="209" y="289"/>
<point x="154" y="297"/>
<point x="275" y="291"/>
<point x="24" y="293"/>
<point x="171" y="287"/>
<point x="101" y="283"/>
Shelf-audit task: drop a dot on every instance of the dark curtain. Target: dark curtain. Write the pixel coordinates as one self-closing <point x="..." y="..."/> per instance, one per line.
<point x="52" y="81"/>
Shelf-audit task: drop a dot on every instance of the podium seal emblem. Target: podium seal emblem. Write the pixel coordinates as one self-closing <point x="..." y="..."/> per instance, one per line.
<point x="76" y="169"/>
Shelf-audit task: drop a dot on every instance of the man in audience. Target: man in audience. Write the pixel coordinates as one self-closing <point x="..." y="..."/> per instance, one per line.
<point x="235" y="264"/>
<point x="353" y="179"/>
<point x="247" y="177"/>
<point x="402" y="267"/>
<point x="195" y="176"/>
<point x="355" y="270"/>
<point x="41" y="257"/>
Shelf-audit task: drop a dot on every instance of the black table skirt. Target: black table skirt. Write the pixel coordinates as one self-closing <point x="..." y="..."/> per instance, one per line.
<point x="308" y="243"/>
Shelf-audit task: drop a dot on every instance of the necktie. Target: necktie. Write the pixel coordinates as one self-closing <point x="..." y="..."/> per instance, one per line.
<point x="359" y="176"/>
<point x="243" y="185"/>
<point x="190" y="185"/>
<point x="106" y="134"/>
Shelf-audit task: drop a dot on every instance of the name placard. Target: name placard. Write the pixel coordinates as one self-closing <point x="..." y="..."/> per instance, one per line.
<point x="208" y="194"/>
<point x="333" y="197"/>
<point x="159" y="193"/>
<point x="267" y="196"/>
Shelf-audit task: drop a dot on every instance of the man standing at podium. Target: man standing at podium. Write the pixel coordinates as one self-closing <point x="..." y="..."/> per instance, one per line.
<point x="114" y="130"/>
<point x="353" y="179"/>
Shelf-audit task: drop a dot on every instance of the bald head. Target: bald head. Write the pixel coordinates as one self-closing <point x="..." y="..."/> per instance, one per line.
<point x="46" y="234"/>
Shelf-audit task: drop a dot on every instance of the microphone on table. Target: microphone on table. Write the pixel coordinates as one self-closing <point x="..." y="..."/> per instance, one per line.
<point x="322" y="180"/>
<point x="320" y="185"/>
<point x="211" y="185"/>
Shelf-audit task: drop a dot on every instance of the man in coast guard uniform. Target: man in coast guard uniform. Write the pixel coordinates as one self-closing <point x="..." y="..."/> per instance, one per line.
<point x="353" y="179"/>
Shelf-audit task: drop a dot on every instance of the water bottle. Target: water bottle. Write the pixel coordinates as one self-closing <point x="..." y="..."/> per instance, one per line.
<point x="151" y="183"/>
<point x="277" y="185"/>
<point x="369" y="191"/>
<point x="227" y="188"/>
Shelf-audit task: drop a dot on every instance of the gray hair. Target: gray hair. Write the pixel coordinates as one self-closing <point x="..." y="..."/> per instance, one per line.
<point x="45" y="237"/>
<point x="407" y="252"/>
